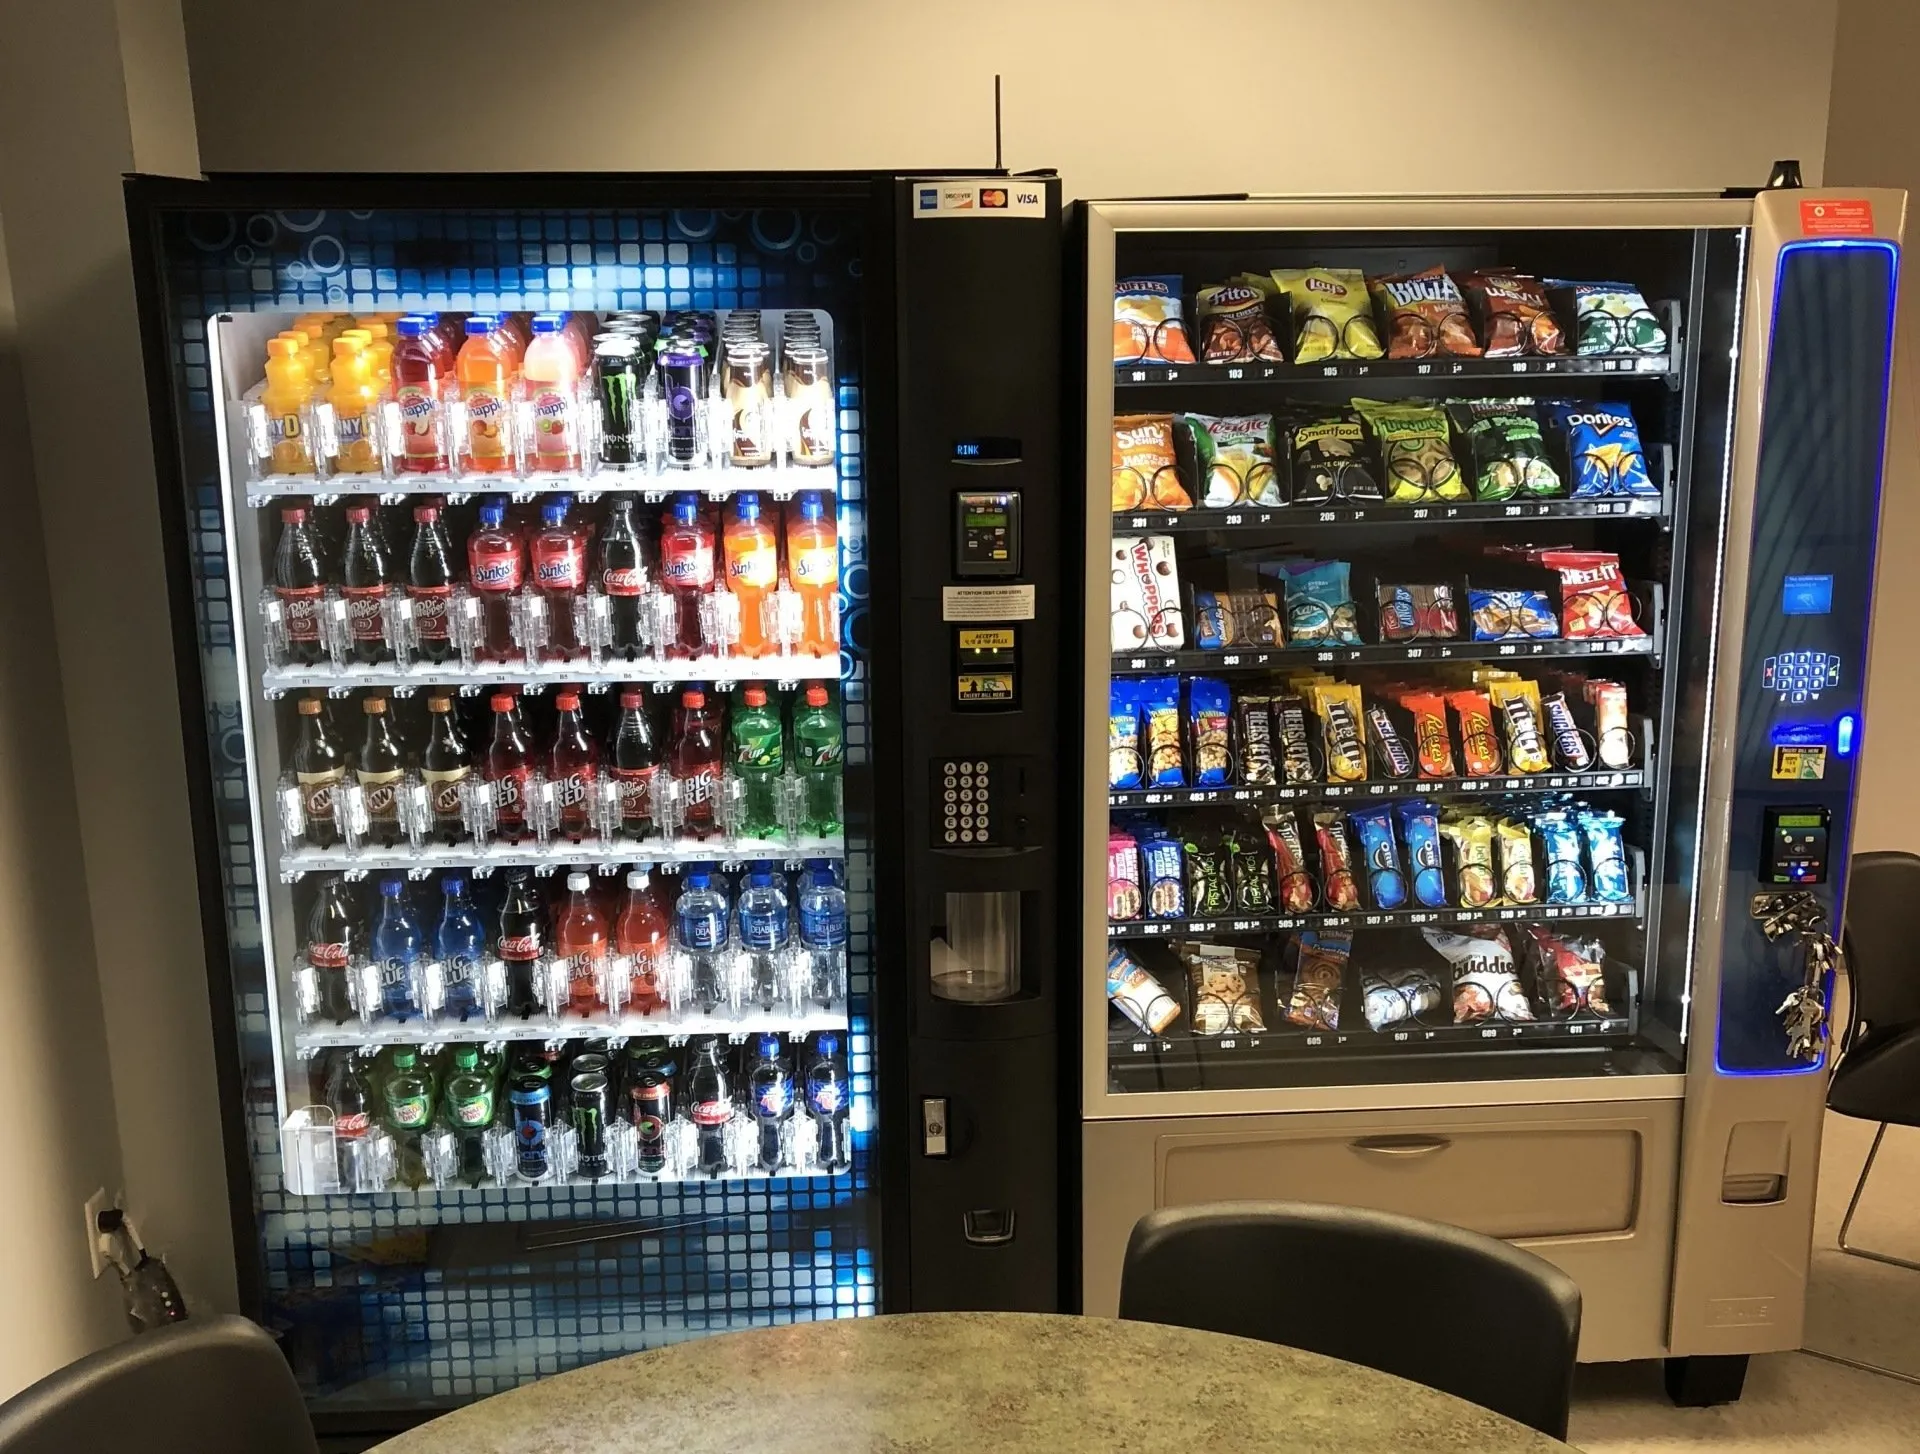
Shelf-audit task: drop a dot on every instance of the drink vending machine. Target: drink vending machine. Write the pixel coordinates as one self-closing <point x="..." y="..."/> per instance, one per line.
<point x="1475" y="636"/>
<point x="618" y="621"/>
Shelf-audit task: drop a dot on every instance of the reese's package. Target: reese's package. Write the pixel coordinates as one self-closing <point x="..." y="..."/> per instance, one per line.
<point x="1147" y="326"/>
<point x="1426" y="315"/>
<point x="1332" y="315"/>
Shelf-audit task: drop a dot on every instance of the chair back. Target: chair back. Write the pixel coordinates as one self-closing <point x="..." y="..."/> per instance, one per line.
<point x="1883" y="940"/>
<point x="1437" y="1305"/>
<point x="205" y="1386"/>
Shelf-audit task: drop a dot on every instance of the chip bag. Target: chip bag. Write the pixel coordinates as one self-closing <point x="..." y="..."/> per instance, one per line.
<point x="1485" y="986"/>
<point x="1426" y="315"/>
<point x="1392" y="996"/>
<point x="1235" y="326"/>
<point x="1511" y="615"/>
<point x="1209" y="891"/>
<point x="1609" y="880"/>
<point x="1594" y="601"/>
<point x="1235" y="459"/>
<point x="1319" y="970"/>
<point x="1332" y="315"/>
<point x="1416" y="447"/>
<point x="1327" y="459"/>
<point x="1507" y="450"/>
<point x="1603" y="450"/>
<point x="1145" y="474"/>
<point x="1226" y="988"/>
<point x="1569" y="973"/>
<point x="1566" y="866"/>
<point x="1319" y="603"/>
<point x="1609" y="318"/>
<point x="1515" y="317"/>
<point x="1147" y="326"/>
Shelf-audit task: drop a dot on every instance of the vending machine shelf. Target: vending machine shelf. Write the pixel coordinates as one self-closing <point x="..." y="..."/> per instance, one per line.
<point x="532" y="677"/>
<point x="1628" y="909"/>
<point x="556" y="853"/>
<point x="712" y="481"/>
<point x="1545" y="782"/>
<point x="1282" y="517"/>
<point x="549" y="1029"/>
<point x="1426" y="651"/>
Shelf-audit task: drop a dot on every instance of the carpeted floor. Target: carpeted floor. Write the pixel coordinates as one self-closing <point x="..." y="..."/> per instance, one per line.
<point x="1794" y="1402"/>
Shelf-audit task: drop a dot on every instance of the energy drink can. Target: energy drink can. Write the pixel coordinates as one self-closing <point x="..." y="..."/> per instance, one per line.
<point x="747" y="386"/>
<point x="620" y="367"/>
<point x="683" y="384"/>
<point x="531" y="1097"/>
<point x="587" y="1110"/>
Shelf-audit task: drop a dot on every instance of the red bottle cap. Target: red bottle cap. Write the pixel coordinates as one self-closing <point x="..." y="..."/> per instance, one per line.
<point x="293" y="515"/>
<point x="359" y="514"/>
<point x="629" y="701"/>
<point x="693" y="697"/>
<point x="755" y="695"/>
<point x="502" y="701"/>
<point x="567" y="701"/>
<point x="816" y="694"/>
<point x="426" y="514"/>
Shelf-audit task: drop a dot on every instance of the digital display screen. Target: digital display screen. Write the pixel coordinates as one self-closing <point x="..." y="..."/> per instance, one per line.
<point x="986" y="450"/>
<point x="985" y="519"/>
<point x="1806" y="596"/>
<point x="1798" y="820"/>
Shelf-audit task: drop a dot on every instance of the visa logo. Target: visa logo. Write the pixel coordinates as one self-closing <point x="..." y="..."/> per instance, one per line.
<point x="1027" y="199"/>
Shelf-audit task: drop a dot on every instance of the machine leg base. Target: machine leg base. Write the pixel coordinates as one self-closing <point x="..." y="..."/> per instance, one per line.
<point x="1703" y="1379"/>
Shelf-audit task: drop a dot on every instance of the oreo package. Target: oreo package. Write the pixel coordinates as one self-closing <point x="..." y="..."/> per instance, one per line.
<point x="1380" y="851"/>
<point x="1420" y="827"/>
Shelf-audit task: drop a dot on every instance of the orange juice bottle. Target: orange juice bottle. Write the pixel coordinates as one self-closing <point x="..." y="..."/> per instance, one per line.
<point x="285" y="400"/>
<point x="486" y="387"/>
<point x="813" y="570"/>
<point x="379" y="353"/>
<point x="356" y="408"/>
<point x="753" y="568"/>
<point x="550" y="376"/>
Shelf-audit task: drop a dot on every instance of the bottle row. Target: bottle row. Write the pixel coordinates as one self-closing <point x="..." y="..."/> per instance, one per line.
<point x="588" y="1112"/>
<point x="697" y="581"/>
<point x="751" y="775"/>
<point x="768" y="944"/>
<point x="509" y="396"/>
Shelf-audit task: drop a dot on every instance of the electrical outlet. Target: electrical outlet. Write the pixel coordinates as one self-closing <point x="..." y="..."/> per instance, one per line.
<point x="96" y="1204"/>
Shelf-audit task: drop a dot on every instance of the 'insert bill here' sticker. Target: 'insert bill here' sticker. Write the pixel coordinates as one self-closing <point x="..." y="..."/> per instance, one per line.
<point x="1836" y="217"/>
<point x="995" y="197"/>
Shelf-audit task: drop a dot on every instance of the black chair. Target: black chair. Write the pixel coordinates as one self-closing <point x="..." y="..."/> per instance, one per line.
<point x="1877" y="1077"/>
<point x="1455" y="1310"/>
<point x="205" y="1386"/>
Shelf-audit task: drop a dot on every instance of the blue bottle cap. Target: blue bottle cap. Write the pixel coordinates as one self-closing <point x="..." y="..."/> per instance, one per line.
<point x="389" y="888"/>
<point x="453" y="884"/>
<point x="492" y="513"/>
<point x="479" y="325"/>
<point x="769" y="1047"/>
<point x="761" y="872"/>
<point x="411" y="327"/>
<point x="554" y="512"/>
<point x="746" y="506"/>
<point x="546" y="323"/>
<point x="812" y="505"/>
<point x="686" y="509"/>
<point x="829" y="1045"/>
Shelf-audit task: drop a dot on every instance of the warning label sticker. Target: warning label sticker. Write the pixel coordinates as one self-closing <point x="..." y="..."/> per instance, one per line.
<point x="1799" y="764"/>
<point x="1836" y="217"/>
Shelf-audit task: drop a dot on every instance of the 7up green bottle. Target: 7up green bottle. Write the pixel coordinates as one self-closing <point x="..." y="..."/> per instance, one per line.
<point x="817" y="753"/>
<point x="759" y="759"/>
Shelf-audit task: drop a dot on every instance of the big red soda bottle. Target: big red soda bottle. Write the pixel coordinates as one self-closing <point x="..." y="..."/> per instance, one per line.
<point x="430" y="585"/>
<point x="560" y="574"/>
<point x="419" y="384"/>
<point x="363" y="571"/>
<point x="636" y="761"/>
<point x="640" y="936"/>
<point x="581" y="944"/>
<point x="694" y="761"/>
<point x="753" y="569"/>
<point x="496" y="565"/>
<point x="299" y="581"/>
<point x="686" y="569"/>
<point x="573" y="767"/>
<point x="509" y="766"/>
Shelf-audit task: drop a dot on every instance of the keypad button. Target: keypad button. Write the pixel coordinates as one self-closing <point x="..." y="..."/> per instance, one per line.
<point x="952" y="837"/>
<point x="966" y="835"/>
<point x="950" y="767"/>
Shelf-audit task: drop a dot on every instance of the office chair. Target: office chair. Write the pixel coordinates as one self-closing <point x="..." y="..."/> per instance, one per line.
<point x="1877" y="1077"/>
<point x="205" y="1386"/>
<point x="1438" y="1305"/>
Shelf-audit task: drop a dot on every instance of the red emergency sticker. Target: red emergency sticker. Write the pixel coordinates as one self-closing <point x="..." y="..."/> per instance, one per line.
<point x="1837" y="217"/>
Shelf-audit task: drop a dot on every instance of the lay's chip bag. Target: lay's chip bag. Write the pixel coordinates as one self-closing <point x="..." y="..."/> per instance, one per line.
<point x="1332" y="314"/>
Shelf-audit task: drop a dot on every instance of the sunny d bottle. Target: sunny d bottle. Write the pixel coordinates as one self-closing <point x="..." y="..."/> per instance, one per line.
<point x="355" y="403"/>
<point x="288" y="390"/>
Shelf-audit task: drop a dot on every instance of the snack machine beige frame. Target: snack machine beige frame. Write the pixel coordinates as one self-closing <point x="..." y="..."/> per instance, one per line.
<point x="1621" y="1180"/>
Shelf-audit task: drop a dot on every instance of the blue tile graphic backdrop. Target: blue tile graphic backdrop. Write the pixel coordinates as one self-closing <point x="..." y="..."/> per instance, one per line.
<point x="369" y="1318"/>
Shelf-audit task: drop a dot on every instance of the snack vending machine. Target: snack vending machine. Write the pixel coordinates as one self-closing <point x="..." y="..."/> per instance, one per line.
<point x="1476" y="627"/>
<point x="550" y="560"/>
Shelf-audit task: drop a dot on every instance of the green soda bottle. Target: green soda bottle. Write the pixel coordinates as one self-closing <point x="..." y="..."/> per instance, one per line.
<point x="759" y="759"/>
<point x="817" y="753"/>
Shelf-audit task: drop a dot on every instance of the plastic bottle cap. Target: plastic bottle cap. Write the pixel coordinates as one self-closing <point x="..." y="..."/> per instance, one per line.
<point x="696" y="878"/>
<point x="637" y="878"/>
<point x="439" y="704"/>
<point x="346" y="346"/>
<point x="693" y="697"/>
<point x="501" y="702"/>
<point x="309" y="707"/>
<point x="546" y="323"/>
<point x="769" y="1047"/>
<point x="746" y="506"/>
<point x="479" y="325"/>
<point x="577" y="883"/>
<point x="426" y="514"/>
<point x="754" y="696"/>
<point x="492" y="513"/>
<point x="293" y="515"/>
<point x="283" y="347"/>
<point x="629" y="701"/>
<point x="816" y="695"/>
<point x="389" y="888"/>
<point x="567" y="701"/>
<point x="358" y="514"/>
<point x="686" y="509"/>
<point x="453" y="884"/>
<point x="812" y="507"/>
<point x="760" y="873"/>
<point x="374" y="705"/>
<point x="412" y="327"/>
<point x="829" y="1045"/>
<point x="554" y="512"/>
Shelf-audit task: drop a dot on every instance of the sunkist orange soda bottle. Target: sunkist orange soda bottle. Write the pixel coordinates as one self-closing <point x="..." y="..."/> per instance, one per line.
<point x="285" y="400"/>
<point x="752" y="553"/>
<point x="813" y="570"/>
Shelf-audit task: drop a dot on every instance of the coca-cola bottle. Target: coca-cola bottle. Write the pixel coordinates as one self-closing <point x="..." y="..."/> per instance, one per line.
<point x="364" y="575"/>
<point x="509" y="765"/>
<point x="379" y="768"/>
<point x="521" y="940"/>
<point x="694" y="760"/>
<point x="444" y="766"/>
<point x="559" y="554"/>
<point x="335" y="938"/>
<point x="573" y="767"/>
<point x="496" y="566"/>
<point x="430" y="585"/>
<point x="299" y="580"/>
<point x="636" y="762"/>
<point x="319" y="767"/>
<point x="709" y="1093"/>
<point x="624" y="569"/>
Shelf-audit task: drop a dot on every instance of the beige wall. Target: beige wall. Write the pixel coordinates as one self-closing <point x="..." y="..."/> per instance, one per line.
<point x="1126" y="98"/>
<point x="96" y="742"/>
<point x="1874" y="136"/>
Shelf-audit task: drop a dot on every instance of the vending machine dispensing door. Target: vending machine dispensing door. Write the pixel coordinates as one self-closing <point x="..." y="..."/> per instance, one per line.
<point x="979" y="596"/>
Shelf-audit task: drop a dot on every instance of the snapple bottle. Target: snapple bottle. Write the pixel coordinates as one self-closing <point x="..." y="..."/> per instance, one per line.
<point x="419" y="383"/>
<point x="550" y="376"/>
<point x="485" y="373"/>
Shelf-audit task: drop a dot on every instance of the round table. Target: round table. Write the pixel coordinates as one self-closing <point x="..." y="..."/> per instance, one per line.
<point x="933" y="1382"/>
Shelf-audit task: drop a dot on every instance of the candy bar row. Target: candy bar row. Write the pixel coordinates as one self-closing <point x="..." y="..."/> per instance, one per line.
<point x="1384" y="856"/>
<point x="1435" y="977"/>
